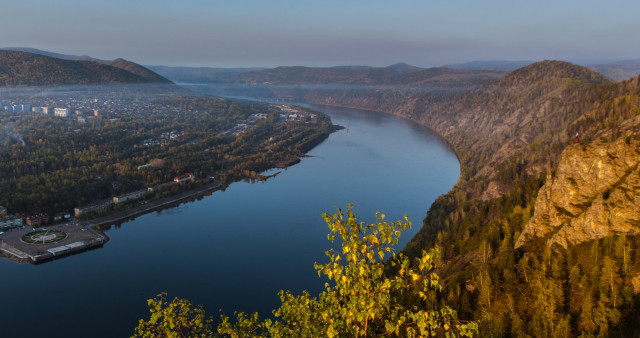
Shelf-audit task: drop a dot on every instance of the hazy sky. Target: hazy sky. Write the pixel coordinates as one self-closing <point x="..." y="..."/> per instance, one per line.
<point x="229" y="33"/>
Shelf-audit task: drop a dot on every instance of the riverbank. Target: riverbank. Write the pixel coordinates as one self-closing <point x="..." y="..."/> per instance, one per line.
<point x="242" y="240"/>
<point x="86" y="235"/>
<point x="11" y="247"/>
<point x="444" y="140"/>
<point x="162" y="203"/>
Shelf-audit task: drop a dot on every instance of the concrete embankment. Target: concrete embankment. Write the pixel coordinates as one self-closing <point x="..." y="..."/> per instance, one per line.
<point x="72" y="237"/>
<point x="152" y="206"/>
<point x="82" y="236"/>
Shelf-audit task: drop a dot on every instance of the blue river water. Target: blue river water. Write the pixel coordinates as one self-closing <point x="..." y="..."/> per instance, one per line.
<point x="235" y="249"/>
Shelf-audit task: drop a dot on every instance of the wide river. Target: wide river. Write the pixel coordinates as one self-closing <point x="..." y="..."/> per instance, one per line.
<point x="235" y="249"/>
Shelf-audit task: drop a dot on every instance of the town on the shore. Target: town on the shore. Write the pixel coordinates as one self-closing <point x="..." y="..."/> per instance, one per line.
<point x="8" y="221"/>
<point x="113" y="105"/>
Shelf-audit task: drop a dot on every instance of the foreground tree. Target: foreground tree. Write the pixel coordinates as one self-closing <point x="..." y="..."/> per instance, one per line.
<point x="362" y="298"/>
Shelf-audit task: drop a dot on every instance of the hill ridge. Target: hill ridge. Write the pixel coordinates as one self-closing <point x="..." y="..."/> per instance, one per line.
<point x="544" y="70"/>
<point x="19" y="68"/>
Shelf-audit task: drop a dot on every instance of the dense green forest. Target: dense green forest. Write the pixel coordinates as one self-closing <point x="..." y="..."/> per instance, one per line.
<point x="57" y="164"/>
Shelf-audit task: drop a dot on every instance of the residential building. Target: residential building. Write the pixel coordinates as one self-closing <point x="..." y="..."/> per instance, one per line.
<point x="41" y="110"/>
<point x="36" y="220"/>
<point x="61" y="112"/>
<point x="94" y="207"/>
<point x="130" y="196"/>
<point x="9" y="222"/>
<point x="184" y="178"/>
<point x="61" y="215"/>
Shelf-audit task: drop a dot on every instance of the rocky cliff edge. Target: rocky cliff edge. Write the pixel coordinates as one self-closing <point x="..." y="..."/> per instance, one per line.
<point x="594" y="193"/>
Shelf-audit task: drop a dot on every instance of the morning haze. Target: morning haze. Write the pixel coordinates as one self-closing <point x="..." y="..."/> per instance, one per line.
<point x="324" y="33"/>
<point x="399" y="168"/>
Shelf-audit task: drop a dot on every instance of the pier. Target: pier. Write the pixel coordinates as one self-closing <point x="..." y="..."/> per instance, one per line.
<point x="19" y="245"/>
<point x="77" y="238"/>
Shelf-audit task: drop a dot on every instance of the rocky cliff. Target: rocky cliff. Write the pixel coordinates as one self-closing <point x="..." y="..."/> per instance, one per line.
<point x="594" y="193"/>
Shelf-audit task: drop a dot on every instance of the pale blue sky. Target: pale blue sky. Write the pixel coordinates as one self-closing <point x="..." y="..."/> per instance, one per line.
<point x="229" y="33"/>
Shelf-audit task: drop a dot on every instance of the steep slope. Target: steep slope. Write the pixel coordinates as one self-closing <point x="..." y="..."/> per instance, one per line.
<point x="27" y="69"/>
<point x="491" y="225"/>
<point x="137" y="69"/>
<point x="517" y="115"/>
<point x="594" y="193"/>
<point x="509" y="134"/>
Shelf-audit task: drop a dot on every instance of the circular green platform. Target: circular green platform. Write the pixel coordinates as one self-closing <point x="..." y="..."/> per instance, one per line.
<point x="44" y="236"/>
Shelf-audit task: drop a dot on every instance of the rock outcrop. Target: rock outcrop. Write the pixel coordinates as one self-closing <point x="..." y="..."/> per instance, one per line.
<point x="594" y="193"/>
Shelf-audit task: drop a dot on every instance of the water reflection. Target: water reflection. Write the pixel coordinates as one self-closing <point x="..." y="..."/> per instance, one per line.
<point x="234" y="249"/>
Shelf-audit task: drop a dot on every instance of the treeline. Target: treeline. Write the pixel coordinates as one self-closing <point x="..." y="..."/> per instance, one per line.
<point x="590" y="289"/>
<point x="542" y="292"/>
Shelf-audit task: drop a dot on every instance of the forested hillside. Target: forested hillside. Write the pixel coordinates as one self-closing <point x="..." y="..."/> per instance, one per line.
<point x="143" y="72"/>
<point x="510" y="136"/>
<point x="28" y="69"/>
<point x="508" y="144"/>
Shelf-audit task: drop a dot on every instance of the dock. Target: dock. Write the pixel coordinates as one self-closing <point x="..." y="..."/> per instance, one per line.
<point x="83" y="236"/>
<point x="78" y="239"/>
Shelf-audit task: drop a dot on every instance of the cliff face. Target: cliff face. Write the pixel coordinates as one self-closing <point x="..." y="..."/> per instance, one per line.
<point x="594" y="193"/>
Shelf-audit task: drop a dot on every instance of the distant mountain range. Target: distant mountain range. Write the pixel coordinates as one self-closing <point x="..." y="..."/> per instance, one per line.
<point x="396" y="74"/>
<point x="620" y="70"/>
<point x="399" y="74"/>
<point x="200" y="74"/>
<point x="33" y="67"/>
<point x="497" y="65"/>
